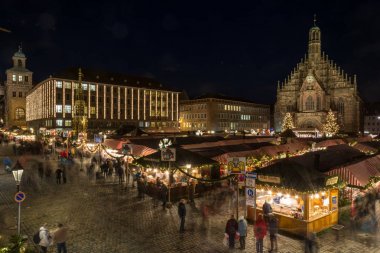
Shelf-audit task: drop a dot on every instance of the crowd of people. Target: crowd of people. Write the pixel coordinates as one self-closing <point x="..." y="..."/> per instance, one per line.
<point x="363" y="211"/>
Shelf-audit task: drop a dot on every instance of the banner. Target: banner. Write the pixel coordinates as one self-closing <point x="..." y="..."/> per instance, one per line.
<point x="236" y="165"/>
<point x="168" y="154"/>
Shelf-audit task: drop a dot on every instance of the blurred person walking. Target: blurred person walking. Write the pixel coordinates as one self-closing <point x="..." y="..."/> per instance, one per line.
<point x="242" y="229"/>
<point x="273" y="230"/>
<point x="45" y="239"/>
<point x="182" y="215"/>
<point x="231" y="229"/>
<point x="260" y="231"/>
<point x="60" y="238"/>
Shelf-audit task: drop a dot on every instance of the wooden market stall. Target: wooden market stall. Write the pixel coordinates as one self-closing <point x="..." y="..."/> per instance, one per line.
<point x="303" y="199"/>
<point x="181" y="185"/>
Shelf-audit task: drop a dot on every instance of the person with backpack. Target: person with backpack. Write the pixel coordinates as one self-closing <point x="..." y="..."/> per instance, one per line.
<point x="43" y="239"/>
<point x="231" y="229"/>
<point x="242" y="229"/>
<point x="260" y="231"/>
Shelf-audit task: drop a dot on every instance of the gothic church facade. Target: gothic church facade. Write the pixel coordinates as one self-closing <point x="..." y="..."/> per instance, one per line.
<point x="314" y="86"/>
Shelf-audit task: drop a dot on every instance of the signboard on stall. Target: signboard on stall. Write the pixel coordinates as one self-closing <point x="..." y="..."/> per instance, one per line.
<point x="168" y="154"/>
<point x="269" y="179"/>
<point x="332" y="181"/>
<point x="250" y="196"/>
<point x="126" y="149"/>
<point x="236" y="165"/>
<point x="250" y="182"/>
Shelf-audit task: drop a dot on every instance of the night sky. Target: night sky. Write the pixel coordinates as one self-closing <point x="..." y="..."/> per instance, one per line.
<point x="237" y="48"/>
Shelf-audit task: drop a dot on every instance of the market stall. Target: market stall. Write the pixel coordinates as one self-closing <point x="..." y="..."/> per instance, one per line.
<point x="303" y="199"/>
<point x="172" y="174"/>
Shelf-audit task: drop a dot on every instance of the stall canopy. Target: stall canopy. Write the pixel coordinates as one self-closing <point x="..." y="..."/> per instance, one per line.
<point x="183" y="157"/>
<point x="267" y="150"/>
<point x="368" y="146"/>
<point x="291" y="175"/>
<point x="328" y="143"/>
<point x="359" y="174"/>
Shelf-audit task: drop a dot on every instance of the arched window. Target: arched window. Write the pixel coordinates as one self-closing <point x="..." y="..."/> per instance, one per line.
<point x="19" y="63"/>
<point x="340" y="106"/>
<point x="309" y="104"/>
<point x="19" y="114"/>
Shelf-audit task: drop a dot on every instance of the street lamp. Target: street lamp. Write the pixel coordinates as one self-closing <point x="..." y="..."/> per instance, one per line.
<point x="17" y="174"/>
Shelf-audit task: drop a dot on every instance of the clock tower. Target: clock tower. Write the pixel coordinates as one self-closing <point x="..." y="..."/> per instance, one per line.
<point x="17" y="85"/>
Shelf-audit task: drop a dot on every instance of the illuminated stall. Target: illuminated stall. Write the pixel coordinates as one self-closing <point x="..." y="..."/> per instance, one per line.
<point x="303" y="199"/>
<point x="187" y="168"/>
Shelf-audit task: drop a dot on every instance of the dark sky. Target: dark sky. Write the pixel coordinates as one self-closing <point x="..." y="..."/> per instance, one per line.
<point x="238" y="48"/>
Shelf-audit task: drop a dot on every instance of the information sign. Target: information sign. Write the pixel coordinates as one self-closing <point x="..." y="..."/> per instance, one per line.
<point x="250" y="197"/>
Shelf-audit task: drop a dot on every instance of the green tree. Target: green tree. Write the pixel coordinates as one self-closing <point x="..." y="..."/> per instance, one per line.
<point x="287" y="122"/>
<point x="331" y="127"/>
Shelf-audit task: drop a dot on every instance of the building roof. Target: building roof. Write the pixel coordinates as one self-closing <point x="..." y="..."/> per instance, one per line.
<point x="294" y="176"/>
<point x="183" y="157"/>
<point x="101" y="76"/>
<point x="222" y="96"/>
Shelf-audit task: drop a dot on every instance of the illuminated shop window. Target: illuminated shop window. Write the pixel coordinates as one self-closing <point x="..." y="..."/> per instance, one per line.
<point x="67" y="108"/>
<point x="58" y="108"/>
<point x="59" y="84"/>
<point x="59" y="122"/>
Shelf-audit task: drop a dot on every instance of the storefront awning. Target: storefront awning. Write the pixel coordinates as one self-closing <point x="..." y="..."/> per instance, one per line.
<point x="359" y="174"/>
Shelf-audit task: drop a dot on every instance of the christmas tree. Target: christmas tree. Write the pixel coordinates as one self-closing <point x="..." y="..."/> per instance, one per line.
<point x="287" y="123"/>
<point x="331" y="127"/>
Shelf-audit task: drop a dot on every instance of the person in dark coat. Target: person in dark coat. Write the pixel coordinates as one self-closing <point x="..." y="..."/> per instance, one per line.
<point x="273" y="230"/>
<point x="231" y="229"/>
<point x="58" y="174"/>
<point x="182" y="215"/>
<point x="164" y="195"/>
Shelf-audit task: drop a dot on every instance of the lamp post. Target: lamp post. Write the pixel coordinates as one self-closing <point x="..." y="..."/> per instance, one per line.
<point x="17" y="174"/>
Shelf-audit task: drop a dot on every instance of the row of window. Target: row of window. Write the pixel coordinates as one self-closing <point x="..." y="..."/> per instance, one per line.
<point x="14" y="94"/>
<point x="194" y="125"/>
<point x="194" y="107"/>
<point x="195" y="116"/>
<point x="19" y="78"/>
<point x="241" y="117"/>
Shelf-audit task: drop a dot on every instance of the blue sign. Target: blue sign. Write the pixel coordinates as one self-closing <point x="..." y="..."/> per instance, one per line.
<point x="252" y="175"/>
<point x="20" y="197"/>
<point x="250" y="192"/>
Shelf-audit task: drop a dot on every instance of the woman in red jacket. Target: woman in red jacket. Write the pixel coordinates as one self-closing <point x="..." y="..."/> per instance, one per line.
<point x="260" y="230"/>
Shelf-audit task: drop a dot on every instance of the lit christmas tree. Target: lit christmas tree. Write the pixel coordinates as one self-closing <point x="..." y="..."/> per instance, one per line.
<point x="287" y="123"/>
<point x="331" y="127"/>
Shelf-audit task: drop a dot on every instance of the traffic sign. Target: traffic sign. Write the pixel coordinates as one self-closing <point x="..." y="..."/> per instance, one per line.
<point x="250" y="196"/>
<point x="20" y="197"/>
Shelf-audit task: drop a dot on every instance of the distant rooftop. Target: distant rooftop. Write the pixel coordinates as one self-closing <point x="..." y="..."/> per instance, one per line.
<point x="101" y="76"/>
<point x="222" y="96"/>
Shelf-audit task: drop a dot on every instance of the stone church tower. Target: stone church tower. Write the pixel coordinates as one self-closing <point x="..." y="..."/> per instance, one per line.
<point x="314" y="86"/>
<point x="17" y="84"/>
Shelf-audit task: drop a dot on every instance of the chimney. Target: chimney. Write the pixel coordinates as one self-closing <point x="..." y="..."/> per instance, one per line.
<point x="316" y="161"/>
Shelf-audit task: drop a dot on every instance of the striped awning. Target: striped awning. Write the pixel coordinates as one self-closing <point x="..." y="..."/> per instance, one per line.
<point x="358" y="174"/>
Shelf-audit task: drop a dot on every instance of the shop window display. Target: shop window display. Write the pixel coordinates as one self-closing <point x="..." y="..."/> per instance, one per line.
<point x="285" y="204"/>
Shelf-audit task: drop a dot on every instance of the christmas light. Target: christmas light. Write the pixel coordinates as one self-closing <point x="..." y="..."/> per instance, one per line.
<point x="331" y="127"/>
<point x="287" y="122"/>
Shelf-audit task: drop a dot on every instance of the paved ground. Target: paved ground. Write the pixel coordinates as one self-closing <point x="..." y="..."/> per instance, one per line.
<point x="107" y="218"/>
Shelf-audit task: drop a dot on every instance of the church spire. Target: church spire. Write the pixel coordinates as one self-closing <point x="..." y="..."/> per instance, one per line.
<point x="314" y="52"/>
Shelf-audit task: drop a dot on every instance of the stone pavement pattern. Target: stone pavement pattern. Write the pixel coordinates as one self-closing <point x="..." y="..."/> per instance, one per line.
<point x="107" y="218"/>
